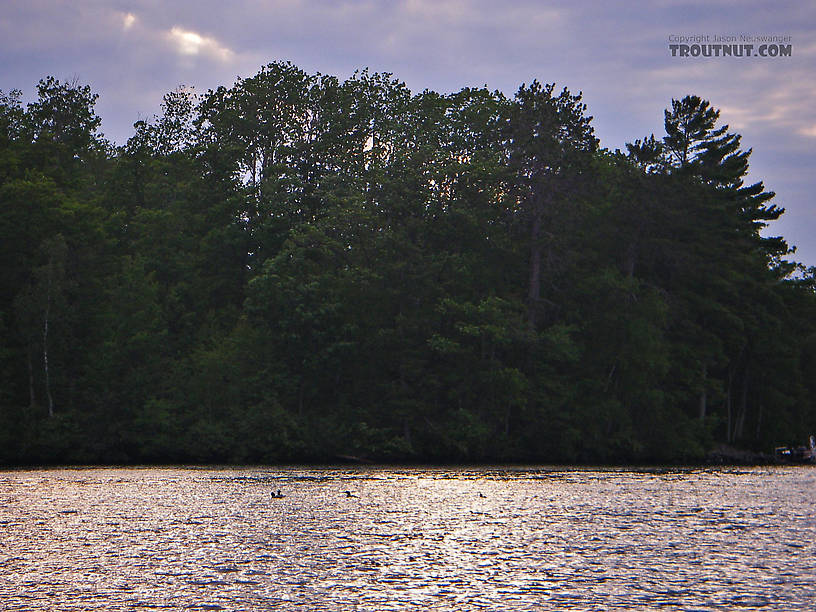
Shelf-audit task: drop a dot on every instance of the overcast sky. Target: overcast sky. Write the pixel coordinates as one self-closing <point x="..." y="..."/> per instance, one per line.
<point x="616" y="52"/>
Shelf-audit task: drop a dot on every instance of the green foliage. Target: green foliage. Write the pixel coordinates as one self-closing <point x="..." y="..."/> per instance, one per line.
<point x="298" y="268"/>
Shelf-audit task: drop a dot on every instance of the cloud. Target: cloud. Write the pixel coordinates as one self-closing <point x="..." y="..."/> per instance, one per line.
<point x="128" y="20"/>
<point x="187" y="42"/>
<point x="810" y="132"/>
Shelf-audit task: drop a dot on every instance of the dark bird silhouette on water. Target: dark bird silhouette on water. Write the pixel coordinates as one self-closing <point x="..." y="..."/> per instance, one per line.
<point x="277" y="495"/>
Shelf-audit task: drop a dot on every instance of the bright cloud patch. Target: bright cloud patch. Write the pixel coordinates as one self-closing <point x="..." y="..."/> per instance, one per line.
<point x="809" y="131"/>
<point x="190" y="43"/>
<point x="128" y="20"/>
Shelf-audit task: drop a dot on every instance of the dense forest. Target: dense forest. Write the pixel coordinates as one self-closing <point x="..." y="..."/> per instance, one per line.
<point x="299" y="268"/>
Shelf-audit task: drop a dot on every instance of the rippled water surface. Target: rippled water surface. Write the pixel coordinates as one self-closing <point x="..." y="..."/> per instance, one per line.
<point x="416" y="539"/>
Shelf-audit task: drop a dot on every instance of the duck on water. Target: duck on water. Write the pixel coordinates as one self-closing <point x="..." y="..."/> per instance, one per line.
<point x="278" y="495"/>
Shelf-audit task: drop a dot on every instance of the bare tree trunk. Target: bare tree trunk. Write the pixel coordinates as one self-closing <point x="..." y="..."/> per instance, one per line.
<point x="300" y="396"/>
<point x="534" y="295"/>
<point x="611" y="374"/>
<point x="729" y="437"/>
<point x="32" y="398"/>
<point x="631" y="255"/>
<point x="406" y="419"/>
<point x="740" y="425"/>
<point x="45" y="344"/>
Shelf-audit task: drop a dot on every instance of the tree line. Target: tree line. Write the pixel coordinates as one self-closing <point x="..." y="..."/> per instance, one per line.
<point x="300" y="268"/>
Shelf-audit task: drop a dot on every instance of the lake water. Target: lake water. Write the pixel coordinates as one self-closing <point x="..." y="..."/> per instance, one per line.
<point x="408" y="539"/>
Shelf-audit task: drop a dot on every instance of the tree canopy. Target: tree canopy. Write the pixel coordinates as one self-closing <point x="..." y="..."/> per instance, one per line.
<point x="299" y="268"/>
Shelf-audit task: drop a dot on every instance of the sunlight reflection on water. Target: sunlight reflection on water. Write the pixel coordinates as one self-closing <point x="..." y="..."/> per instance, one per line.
<point x="429" y="539"/>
